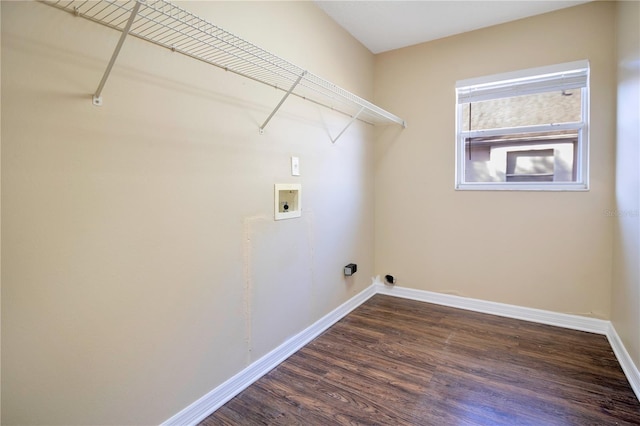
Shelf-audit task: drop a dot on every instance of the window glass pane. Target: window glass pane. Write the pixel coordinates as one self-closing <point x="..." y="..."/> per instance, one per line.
<point x="541" y="157"/>
<point x="535" y="165"/>
<point x="527" y="110"/>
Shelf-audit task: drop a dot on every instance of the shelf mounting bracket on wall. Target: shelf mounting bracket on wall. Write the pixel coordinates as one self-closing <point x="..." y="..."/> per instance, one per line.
<point x="284" y="98"/>
<point x="164" y="24"/>
<point x="97" y="98"/>
<point x="354" y="118"/>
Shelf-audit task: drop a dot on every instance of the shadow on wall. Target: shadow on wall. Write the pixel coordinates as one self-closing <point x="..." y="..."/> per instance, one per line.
<point x="385" y="138"/>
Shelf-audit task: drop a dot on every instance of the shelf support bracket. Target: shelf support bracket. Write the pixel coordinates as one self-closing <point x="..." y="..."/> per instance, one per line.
<point x="284" y="98"/>
<point x="354" y="118"/>
<point x="97" y="99"/>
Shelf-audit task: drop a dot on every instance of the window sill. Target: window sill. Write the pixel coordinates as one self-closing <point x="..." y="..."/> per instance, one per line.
<point x="513" y="186"/>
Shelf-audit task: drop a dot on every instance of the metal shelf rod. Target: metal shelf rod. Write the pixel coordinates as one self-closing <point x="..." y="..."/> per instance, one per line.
<point x="354" y="118"/>
<point x="284" y="98"/>
<point x="169" y="26"/>
<point x="97" y="99"/>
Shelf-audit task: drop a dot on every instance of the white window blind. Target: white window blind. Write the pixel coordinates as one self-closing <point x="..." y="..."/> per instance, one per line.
<point x="567" y="76"/>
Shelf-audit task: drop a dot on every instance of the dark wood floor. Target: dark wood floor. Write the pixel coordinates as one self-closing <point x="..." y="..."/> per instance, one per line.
<point x="400" y="362"/>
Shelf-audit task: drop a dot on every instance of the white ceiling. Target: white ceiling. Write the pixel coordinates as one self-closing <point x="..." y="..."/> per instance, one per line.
<point x="389" y="24"/>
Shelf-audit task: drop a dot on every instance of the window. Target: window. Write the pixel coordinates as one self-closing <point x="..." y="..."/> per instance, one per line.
<point x="525" y="130"/>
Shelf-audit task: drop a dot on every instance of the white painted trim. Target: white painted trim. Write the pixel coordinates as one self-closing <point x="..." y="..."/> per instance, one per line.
<point x="580" y="67"/>
<point x="216" y="398"/>
<point x="522" y="186"/>
<point x="627" y="364"/>
<point x="574" y="322"/>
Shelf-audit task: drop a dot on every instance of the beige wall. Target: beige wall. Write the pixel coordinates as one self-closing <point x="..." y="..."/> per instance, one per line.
<point x="548" y="250"/>
<point x="142" y="266"/>
<point x="141" y="263"/>
<point x="0" y="216"/>
<point x="625" y="308"/>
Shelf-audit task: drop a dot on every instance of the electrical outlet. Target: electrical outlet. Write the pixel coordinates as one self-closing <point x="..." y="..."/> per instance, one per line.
<point x="350" y="269"/>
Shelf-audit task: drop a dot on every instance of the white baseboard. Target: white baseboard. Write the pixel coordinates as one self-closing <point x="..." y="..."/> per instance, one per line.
<point x="203" y="407"/>
<point x="216" y="398"/>
<point x="575" y="322"/>
<point x="627" y="364"/>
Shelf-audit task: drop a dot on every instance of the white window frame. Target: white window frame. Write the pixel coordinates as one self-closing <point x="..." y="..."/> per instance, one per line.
<point x="566" y="76"/>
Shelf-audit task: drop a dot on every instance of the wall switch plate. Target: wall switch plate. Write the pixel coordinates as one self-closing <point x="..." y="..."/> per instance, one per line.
<point x="295" y="166"/>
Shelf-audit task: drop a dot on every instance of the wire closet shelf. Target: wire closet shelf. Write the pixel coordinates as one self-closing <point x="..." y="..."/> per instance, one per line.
<point x="172" y="27"/>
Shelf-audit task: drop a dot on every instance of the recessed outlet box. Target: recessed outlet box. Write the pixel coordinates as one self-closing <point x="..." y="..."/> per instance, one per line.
<point x="288" y="200"/>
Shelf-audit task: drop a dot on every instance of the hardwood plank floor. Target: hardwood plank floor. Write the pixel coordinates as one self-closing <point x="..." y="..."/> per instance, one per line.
<point x="400" y="362"/>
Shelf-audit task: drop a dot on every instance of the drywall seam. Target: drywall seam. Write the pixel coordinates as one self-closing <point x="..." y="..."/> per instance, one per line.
<point x="213" y="400"/>
<point x="248" y="283"/>
<point x="308" y="215"/>
<point x="246" y="255"/>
